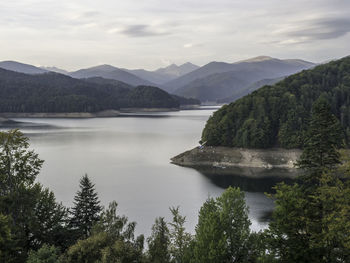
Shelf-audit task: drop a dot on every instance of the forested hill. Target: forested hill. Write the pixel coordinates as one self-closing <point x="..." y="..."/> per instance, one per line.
<point x="53" y="92"/>
<point x="277" y="115"/>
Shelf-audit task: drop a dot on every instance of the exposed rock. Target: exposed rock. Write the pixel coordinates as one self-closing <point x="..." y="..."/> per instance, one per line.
<point x="246" y="162"/>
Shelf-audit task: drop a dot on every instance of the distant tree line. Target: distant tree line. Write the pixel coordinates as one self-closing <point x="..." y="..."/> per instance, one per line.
<point x="310" y="223"/>
<point x="53" y="92"/>
<point x="278" y="115"/>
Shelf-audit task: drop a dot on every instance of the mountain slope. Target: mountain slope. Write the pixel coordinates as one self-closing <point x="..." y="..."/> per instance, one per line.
<point x="55" y="69"/>
<point x="110" y="72"/>
<point x="21" y="67"/>
<point x="213" y="81"/>
<point x="112" y="82"/>
<point x="239" y="93"/>
<point x="53" y="92"/>
<point x="164" y="75"/>
<point x="177" y="71"/>
<point x="278" y="115"/>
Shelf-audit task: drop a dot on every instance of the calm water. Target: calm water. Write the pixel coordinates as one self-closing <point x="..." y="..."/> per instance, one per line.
<point x="128" y="160"/>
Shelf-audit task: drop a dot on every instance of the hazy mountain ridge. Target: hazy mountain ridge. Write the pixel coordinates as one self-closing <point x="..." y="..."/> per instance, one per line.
<point x="55" y="69"/>
<point x="98" y="80"/>
<point x="163" y="75"/>
<point x="21" y="67"/>
<point x="212" y="82"/>
<point x="242" y="92"/>
<point x="103" y="81"/>
<point x="110" y="72"/>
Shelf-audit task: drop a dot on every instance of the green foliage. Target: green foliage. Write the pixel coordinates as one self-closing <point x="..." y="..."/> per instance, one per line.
<point x="312" y="226"/>
<point x="49" y="222"/>
<point x="52" y="92"/>
<point x="46" y="254"/>
<point x="186" y="101"/>
<point x="88" y="250"/>
<point x="209" y="239"/>
<point x="150" y="97"/>
<point x="179" y="239"/>
<point x="112" y="240"/>
<point x="323" y="138"/>
<point x="311" y="220"/>
<point x="222" y="232"/>
<point x="86" y="209"/>
<point x="159" y="242"/>
<point x="35" y="217"/>
<point x="5" y="239"/>
<point x="278" y="115"/>
<point x="19" y="166"/>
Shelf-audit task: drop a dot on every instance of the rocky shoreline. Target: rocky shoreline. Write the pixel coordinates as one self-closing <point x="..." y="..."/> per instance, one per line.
<point x="245" y="162"/>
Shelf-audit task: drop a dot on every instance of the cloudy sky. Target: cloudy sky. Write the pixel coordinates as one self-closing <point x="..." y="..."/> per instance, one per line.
<point x="73" y="34"/>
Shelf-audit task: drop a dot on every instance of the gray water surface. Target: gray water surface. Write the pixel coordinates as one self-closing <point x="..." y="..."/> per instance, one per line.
<point x="128" y="159"/>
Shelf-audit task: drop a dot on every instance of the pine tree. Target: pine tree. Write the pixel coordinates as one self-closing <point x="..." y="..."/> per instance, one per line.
<point x="86" y="210"/>
<point x="159" y="242"/>
<point x="323" y="139"/>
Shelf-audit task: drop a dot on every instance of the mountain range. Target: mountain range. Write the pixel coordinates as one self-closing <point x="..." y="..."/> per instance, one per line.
<point x="164" y="75"/>
<point x="218" y="80"/>
<point x="213" y="82"/>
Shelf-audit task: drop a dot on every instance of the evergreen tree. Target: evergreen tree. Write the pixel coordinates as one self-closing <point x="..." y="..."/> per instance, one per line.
<point x="323" y="139"/>
<point x="86" y="209"/>
<point x="159" y="242"/>
<point x="112" y="240"/>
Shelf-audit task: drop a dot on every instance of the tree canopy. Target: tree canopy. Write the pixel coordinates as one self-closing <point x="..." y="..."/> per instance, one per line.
<point x="53" y="92"/>
<point x="278" y="115"/>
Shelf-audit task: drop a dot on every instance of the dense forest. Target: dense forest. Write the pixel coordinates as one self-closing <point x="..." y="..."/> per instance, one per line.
<point x="310" y="222"/>
<point x="53" y="92"/>
<point x="278" y="115"/>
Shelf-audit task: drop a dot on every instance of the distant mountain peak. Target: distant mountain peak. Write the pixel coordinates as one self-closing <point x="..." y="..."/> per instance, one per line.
<point x="21" y="67"/>
<point x="189" y="65"/>
<point x="110" y="72"/>
<point x="177" y="71"/>
<point x="104" y="67"/>
<point x="55" y="69"/>
<point x="257" y="59"/>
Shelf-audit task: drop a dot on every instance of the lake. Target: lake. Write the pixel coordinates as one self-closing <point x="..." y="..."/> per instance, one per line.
<point x="128" y="159"/>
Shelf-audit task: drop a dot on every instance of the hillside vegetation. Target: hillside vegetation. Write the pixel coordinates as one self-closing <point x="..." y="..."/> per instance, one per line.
<point x="52" y="92"/>
<point x="277" y="116"/>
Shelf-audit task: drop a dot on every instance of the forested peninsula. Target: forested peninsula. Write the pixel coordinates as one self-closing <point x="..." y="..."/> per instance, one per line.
<point x="57" y="93"/>
<point x="278" y="115"/>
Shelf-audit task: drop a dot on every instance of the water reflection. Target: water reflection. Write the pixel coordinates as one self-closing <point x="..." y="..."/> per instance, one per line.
<point x="264" y="179"/>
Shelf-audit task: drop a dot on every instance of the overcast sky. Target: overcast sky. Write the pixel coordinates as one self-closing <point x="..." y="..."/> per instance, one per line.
<point x="73" y="34"/>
